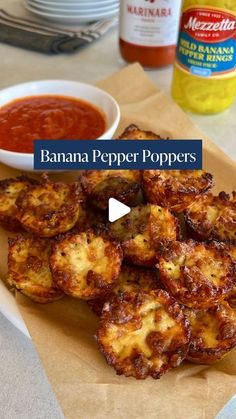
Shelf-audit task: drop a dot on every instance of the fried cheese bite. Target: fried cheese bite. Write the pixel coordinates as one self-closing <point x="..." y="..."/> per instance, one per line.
<point x="131" y="279"/>
<point x="232" y="297"/>
<point x="123" y="185"/>
<point x="213" y="333"/>
<point x="10" y="189"/>
<point x="132" y="132"/>
<point x="49" y="208"/>
<point x="85" y="265"/>
<point x="143" y="334"/>
<point x="198" y="275"/>
<point x="213" y="218"/>
<point x="142" y="231"/>
<point x="28" y="269"/>
<point x="91" y="218"/>
<point x="175" y="189"/>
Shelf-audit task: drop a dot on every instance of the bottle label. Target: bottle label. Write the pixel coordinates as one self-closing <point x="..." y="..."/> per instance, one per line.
<point x="152" y="23"/>
<point x="207" y="42"/>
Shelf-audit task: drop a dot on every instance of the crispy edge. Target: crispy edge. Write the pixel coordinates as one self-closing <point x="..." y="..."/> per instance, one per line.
<point x="115" y="185"/>
<point x="67" y="213"/>
<point x="10" y="222"/>
<point x="157" y="192"/>
<point x="149" y="275"/>
<point x="93" y="219"/>
<point x="133" y="132"/>
<point x="203" y="230"/>
<point x="131" y="252"/>
<point x="198" y="353"/>
<point x="231" y="250"/>
<point x="66" y="282"/>
<point x="191" y="298"/>
<point x="116" y="312"/>
<point x="43" y="295"/>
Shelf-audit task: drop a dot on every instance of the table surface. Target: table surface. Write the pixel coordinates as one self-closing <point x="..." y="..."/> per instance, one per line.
<point x="25" y="391"/>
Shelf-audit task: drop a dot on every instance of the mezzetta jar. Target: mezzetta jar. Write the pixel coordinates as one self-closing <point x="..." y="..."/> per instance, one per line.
<point x="149" y="31"/>
<point x="205" y="70"/>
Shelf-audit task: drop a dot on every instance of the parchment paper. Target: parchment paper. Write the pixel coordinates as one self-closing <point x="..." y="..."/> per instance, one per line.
<point x="62" y="332"/>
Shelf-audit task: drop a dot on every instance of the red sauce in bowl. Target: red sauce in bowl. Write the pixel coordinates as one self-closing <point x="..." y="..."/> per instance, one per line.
<point x="48" y="118"/>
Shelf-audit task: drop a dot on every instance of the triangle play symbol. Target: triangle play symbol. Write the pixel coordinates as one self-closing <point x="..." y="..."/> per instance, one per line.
<point x="117" y="210"/>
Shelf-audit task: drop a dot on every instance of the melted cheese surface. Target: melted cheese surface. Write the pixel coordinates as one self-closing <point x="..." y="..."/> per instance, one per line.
<point x="8" y="197"/>
<point x="126" y="340"/>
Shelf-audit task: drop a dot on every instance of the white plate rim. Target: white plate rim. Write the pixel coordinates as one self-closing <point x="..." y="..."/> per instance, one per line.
<point x="12" y="314"/>
<point x="81" y="12"/>
<point x="74" y="4"/>
<point x="91" y="17"/>
<point x="83" y="2"/>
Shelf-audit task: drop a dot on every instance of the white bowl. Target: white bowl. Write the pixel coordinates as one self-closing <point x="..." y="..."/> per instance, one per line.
<point x="92" y="94"/>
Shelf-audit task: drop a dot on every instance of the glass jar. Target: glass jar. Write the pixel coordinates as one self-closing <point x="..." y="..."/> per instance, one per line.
<point x="204" y="78"/>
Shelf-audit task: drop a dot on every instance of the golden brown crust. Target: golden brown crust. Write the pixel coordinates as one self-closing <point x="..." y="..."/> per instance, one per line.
<point x="91" y="218"/>
<point x="131" y="279"/>
<point x="143" y="334"/>
<point x="100" y="185"/>
<point x="142" y="231"/>
<point x="213" y="218"/>
<point x="85" y="265"/>
<point x="198" y="275"/>
<point x="213" y="333"/>
<point x="175" y="189"/>
<point x="28" y="269"/>
<point x="231" y="250"/>
<point x="10" y="189"/>
<point x="132" y="132"/>
<point x="49" y="208"/>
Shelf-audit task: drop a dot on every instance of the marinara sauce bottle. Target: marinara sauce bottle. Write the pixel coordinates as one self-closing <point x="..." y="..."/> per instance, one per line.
<point x="149" y="31"/>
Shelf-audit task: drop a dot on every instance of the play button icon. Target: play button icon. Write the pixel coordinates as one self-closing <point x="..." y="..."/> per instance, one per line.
<point x="117" y="210"/>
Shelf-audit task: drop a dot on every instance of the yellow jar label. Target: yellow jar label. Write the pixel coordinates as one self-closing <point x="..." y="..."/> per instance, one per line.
<point x="207" y="42"/>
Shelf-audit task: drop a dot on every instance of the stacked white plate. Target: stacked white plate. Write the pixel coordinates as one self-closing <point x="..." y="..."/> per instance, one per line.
<point x="73" y="11"/>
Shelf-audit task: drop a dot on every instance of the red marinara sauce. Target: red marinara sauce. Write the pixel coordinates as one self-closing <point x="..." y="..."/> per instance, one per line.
<point x="48" y="118"/>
